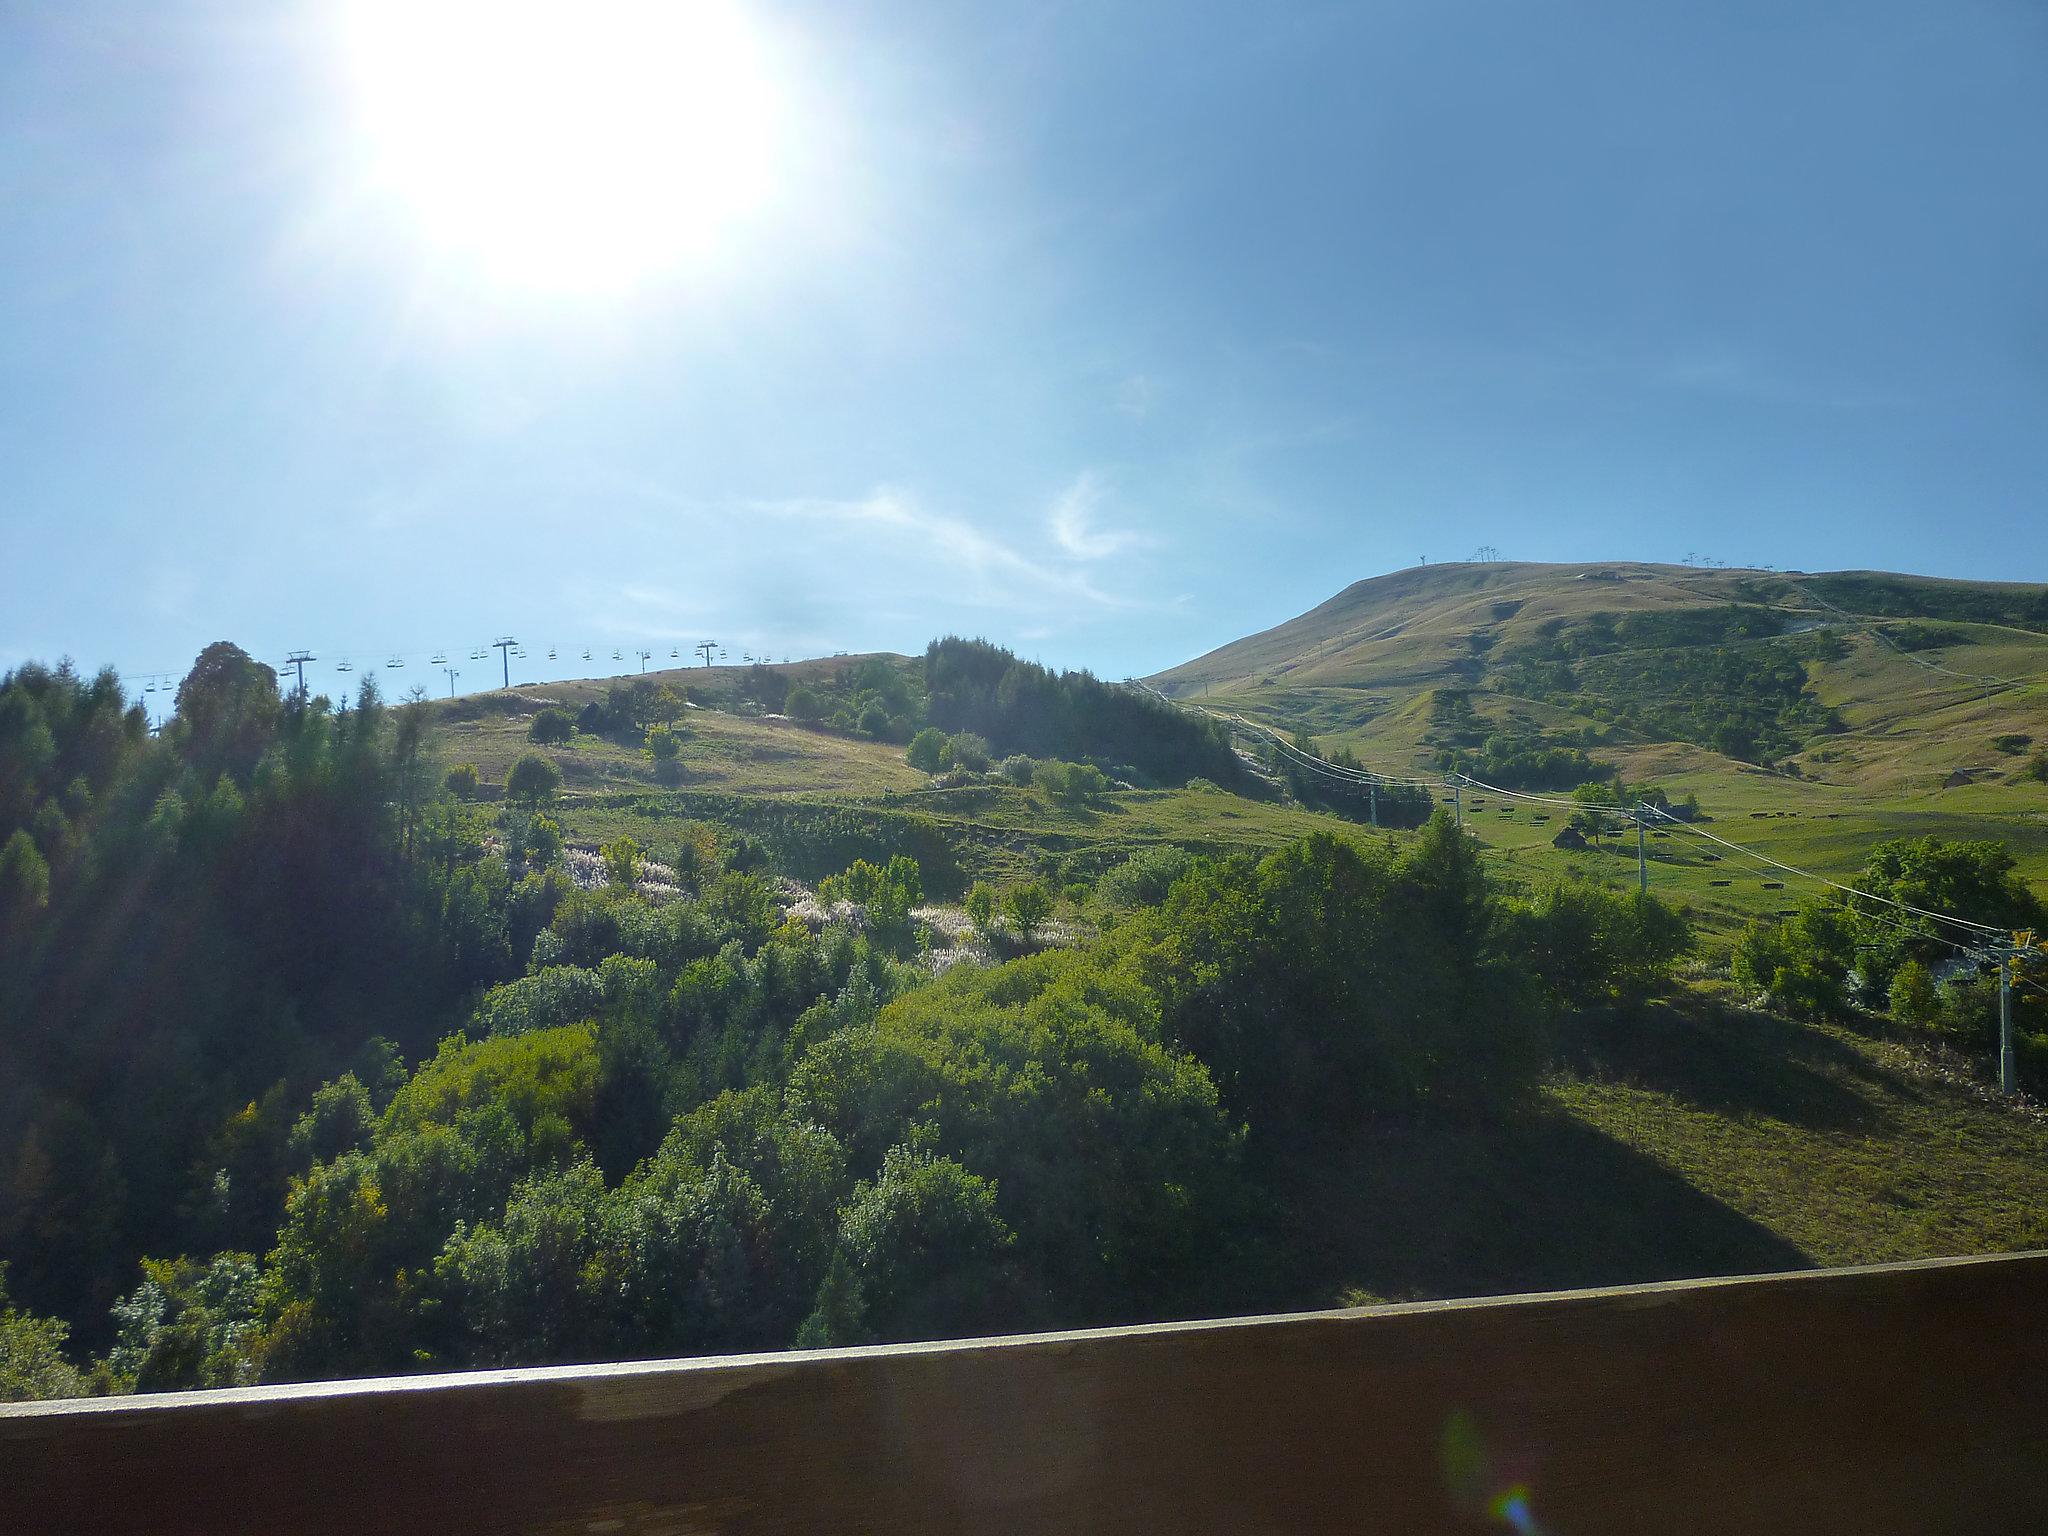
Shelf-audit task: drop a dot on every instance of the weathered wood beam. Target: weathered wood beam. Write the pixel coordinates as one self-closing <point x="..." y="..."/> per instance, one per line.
<point x="1894" y="1398"/>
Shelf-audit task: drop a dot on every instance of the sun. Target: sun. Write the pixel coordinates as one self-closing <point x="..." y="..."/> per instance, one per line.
<point x="568" y="145"/>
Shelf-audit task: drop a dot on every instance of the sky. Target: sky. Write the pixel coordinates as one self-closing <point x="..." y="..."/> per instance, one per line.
<point x="1110" y="331"/>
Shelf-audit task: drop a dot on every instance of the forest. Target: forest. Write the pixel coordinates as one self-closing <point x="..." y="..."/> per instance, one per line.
<point x="319" y="1070"/>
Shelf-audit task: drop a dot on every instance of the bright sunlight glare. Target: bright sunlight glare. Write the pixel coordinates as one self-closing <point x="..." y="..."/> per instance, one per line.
<point x="567" y="147"/>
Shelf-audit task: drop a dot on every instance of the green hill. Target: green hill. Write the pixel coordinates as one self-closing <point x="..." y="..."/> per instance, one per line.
<point x="1811" y="714"/>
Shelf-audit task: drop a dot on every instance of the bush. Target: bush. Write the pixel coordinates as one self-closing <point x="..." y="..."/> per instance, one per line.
<point x="981" y="909"/>
<point x="663" y="745"/>
<point x="927" y="750"/>
<point x="1026" y="907"/>
<point x="1914" y="999"/>
<point x="533" y="779"/>
<point x="1802" y="964"/>
<point x="543" y="841"/>
<point x="551" y="727"/>
<point x="622" y="861"/>
<point x="1584" y="943"/>
<point x="1145" y="877"/>
<point x="1017" y="769"/>
<point x="1074" y="783"/>
<point x="967" y="750"/>
<point x="804" y="704"/>
<point x="885" y="892"/>
<point x="462" y="781"/>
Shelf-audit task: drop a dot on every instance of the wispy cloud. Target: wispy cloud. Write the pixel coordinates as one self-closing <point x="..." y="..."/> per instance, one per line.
<point x="1002" y="574"/>
<point x="1136" y="394"/>
<point x="1076" y="529"/>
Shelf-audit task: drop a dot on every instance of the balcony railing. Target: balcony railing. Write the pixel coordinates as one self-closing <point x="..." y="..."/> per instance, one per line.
<point x="1896" y="1398"/>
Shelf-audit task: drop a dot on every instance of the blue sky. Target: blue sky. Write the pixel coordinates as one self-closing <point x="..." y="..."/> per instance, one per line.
<point x="1108" y="330"/>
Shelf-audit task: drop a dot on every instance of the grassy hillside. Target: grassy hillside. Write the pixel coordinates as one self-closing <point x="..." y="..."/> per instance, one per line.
<point x="772" y="776"/>
<point x="1867" y="706"/>
<point x="1687" y="1137"/>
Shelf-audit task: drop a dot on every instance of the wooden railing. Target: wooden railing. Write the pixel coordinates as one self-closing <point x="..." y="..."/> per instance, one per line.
<point x="1899" y="1398"/>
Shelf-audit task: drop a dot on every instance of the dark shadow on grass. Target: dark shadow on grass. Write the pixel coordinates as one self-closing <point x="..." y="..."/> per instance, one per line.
<point x="1537" y="1201"/>
<point x="1729" y="1060"/>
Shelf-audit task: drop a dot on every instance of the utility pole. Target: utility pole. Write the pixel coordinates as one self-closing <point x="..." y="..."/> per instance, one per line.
<point x="1373" y="793"/>
<point x="1642" y="858"/>
<point x="299" y="659"/>
<point x="2008" y="967"/>
<point x="503" y="646"/>
<point x="1458" y="790"/>
<point x="452" y="675"/>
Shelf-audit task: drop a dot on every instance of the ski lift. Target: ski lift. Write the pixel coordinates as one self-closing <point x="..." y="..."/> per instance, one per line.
<point x="551" y="653"/>
<point x="721" y="653"/>
<point x="617" y="654"/>
<point x="586" y="655"/>
<point x="440" y="658"/>
<point x="520" y="653"/>
<point x="396" y="661"/>
<point x="673" y="653"/>
<point x="344" y="665"/>
<point x="152" y="686"/>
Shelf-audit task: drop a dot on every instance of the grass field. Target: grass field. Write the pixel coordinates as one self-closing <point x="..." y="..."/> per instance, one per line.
<point x="1687" y="1137"/>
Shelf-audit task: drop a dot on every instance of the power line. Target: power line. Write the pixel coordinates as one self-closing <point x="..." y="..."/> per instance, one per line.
<point x="1848" y="890"/>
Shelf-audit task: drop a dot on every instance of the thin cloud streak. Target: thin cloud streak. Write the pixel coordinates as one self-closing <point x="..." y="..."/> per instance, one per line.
<point x="1074" y="526"/>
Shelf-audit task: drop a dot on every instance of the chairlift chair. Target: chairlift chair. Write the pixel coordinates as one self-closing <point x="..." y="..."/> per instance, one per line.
<point x="586" y="655"/>
<point x="551" y="653"/>
<point x="396" y="661"/>
<point x="440" y="658"/>
<point x="344" y="665"/>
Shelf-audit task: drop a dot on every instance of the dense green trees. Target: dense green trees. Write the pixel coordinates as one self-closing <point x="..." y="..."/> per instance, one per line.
<point x="1021" y="707"/>
<point x="634" y="1125"/>
<point x="235" y="910"/>
<point x="1846" y="953"/>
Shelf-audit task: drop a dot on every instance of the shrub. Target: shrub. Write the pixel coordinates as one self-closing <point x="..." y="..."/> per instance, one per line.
<point x="1802" y="963"/>
<point x="885" y="892"/>
<point x="1145" y="877"/>
<point x="1075" y="783"/>
<point x="1914" y="999"/>
<point x="462" y="781"/>
<point x="543" y="841"/>
<point x="927" y="750"/>
<point x="1027" y="907"/>
<point x="533" y="779"/>
<point x="663" y="745"/>
<point x="622" y="861"/>
<point x="1583" y="942"/>
<point x="981" y="909"/>
<point x="1017" y="769"/>
<point x="551" y="727"/>
<point x="804" y="704"/>
<point x="969" y="751"/>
